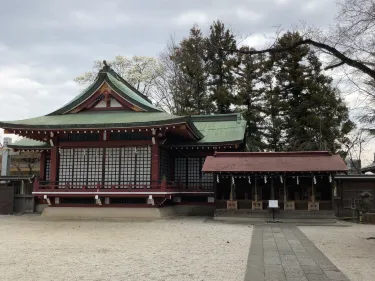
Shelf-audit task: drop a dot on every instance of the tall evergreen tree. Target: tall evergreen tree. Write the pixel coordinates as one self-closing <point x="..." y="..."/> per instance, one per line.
<point x="249" y="98"/>
<point x="316" y="116"/>
<point x="190" y="58"/>
<point x="220" y="66"/>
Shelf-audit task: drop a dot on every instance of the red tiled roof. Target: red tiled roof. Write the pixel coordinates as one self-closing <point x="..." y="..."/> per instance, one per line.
<point x="309" y="161"/>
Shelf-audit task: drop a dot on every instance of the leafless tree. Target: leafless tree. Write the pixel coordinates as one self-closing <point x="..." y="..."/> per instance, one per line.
<point x="27" y="159"/>
<point x="350" y="42"/>
<point x="356" y="147"/>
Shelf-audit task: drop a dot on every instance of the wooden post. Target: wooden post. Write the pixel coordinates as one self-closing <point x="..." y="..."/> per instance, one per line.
<point x="54" y="164"/>
<point x="256" y="189"/>
<point x="42" y="166"/>
<point x="22" y="191"/>
<point x="312" y="191"/>
<point x="272" y="190"/>
<point x="285" y="192"/>
<point x="155" y="163"/>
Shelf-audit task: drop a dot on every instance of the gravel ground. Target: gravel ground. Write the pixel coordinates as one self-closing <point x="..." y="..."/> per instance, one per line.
<point x="35" y="248"/>
<point x="347" y="248"/>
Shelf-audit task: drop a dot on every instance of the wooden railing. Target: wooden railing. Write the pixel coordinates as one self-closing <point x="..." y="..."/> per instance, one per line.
<point x="160" y="186"/>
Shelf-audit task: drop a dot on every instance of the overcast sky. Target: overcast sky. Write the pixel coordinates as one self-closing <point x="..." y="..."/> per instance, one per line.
<point x="44" y="44"/>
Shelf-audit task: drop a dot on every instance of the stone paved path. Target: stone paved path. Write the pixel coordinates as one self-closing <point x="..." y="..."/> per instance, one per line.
<point x="284" y="253"/>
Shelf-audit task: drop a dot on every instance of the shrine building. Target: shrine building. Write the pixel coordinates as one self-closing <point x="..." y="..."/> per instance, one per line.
<point x="111" y="147"/>
<point x="111" y="150"/>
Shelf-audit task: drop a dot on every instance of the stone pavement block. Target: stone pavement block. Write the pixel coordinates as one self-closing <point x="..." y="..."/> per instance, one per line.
<point x="271" y="260"/>
<point x="286" y="252"/>
<point x="294" y="273"/>
<point x="307" y="261"/>
<point x="274" y="276"/>
<point x="289" y="257"/>
<point x="316" y="277"/>
<point x="296" y="278"/>
<point x="271" y="254"/>
<point x="335" y="275"/>
<point x="312" y="269"/>
<point x="290" y="264"/>
<point x="274" y="268"/>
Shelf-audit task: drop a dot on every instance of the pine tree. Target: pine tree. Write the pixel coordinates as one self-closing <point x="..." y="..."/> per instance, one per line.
<point x="316" y="116"/>
<point x="220" y="66"/>
<point x="189" y="57"/>
<point x="250" y="97"/>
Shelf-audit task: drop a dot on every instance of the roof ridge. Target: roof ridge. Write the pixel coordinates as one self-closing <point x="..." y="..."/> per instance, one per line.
<point x="122" y="80"/>
<point x="217" y="117"/>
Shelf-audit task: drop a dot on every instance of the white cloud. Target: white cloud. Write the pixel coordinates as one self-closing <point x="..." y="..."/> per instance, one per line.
<point x="248" y="15"/>
<point x="312" y="5"/>
<point x="258" y="40"/>
<point x="192" y="17"/>
<point x="23" y="96"/>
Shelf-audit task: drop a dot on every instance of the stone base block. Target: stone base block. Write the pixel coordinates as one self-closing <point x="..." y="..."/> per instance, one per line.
<point x="127" y="213"/>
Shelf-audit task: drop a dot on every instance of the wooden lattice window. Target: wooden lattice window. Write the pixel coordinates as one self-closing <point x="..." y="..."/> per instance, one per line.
<point x="105" y="166"/>
<point x="188" y="171"/>
<point x="165" y="164"/>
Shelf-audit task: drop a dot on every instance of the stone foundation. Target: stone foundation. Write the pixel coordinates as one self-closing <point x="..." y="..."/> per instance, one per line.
<point x="127" y="213"/>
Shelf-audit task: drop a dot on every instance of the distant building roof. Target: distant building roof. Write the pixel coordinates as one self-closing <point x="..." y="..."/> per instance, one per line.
<point x="369" y="168"/>
<point x="279" y="162"/>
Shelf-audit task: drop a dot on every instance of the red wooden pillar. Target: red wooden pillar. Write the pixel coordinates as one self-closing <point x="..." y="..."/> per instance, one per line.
<point x="155" y="158"/>
<point x="42" y="165"/>
<point x="54" y="163"/>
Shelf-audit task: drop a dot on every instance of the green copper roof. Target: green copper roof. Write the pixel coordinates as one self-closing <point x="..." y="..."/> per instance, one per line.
<point x="118" y="84"/>
<point x="219" y="128"/>
<point x="26" y="143"/>
<point x="95" y="120"/>
<point x="216" y="129"/>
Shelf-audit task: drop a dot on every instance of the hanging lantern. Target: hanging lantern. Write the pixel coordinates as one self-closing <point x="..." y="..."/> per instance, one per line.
<point x="314" y="179"/>
<point x="249" y="179"/>
<point x="265" y="179"/>
<point x="281" y="179"/>
<point x="330" y="178"/>
<point x="297" y="181"/>
<point x="217" y="179"/>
